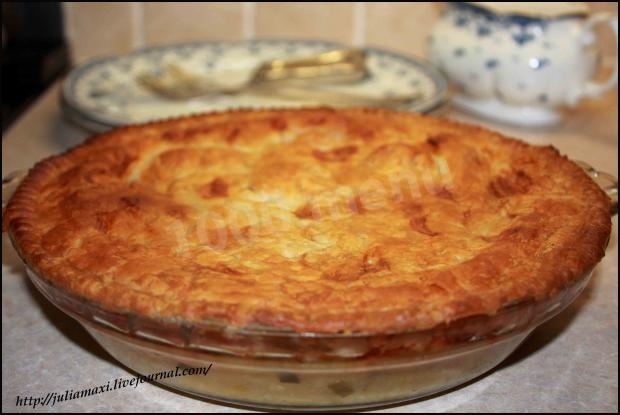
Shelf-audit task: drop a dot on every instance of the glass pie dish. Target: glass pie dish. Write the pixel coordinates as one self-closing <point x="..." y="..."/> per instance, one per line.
<point x="276" y="369"/>
<point x="293" y="371"/>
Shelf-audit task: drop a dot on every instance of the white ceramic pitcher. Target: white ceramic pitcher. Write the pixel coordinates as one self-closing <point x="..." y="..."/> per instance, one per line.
<point x="520" y="62"/>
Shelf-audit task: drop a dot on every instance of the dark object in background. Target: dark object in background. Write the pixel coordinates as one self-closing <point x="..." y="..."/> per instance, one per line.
<point x="34" y="54"/>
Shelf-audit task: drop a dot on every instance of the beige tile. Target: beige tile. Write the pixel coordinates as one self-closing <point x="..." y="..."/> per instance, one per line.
<point x="403" y="27"/>
<point x="94" y="29"/>
<point x="180" y="22"/>
<point x="327" y="21"/>
<point x="601" y="6"/>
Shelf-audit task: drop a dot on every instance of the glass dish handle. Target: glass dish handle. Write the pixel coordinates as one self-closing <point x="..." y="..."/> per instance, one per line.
<point x="10" y="183"/>
<point x="606" y="181"/>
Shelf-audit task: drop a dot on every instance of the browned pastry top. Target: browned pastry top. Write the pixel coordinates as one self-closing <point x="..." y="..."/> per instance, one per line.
<point x="312" y="220"/>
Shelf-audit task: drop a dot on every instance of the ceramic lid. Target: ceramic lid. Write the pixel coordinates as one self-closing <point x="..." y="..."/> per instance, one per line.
<point x="535" y="9"/>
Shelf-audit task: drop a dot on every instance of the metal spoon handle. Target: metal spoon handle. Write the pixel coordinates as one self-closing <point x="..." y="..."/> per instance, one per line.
<point x="343" y="65"/>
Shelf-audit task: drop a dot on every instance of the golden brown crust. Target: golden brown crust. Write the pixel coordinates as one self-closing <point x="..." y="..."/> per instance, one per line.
<point x="312" y="220"/>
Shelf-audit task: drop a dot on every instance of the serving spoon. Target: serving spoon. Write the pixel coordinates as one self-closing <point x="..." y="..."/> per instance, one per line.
<point x="300" y="79"/>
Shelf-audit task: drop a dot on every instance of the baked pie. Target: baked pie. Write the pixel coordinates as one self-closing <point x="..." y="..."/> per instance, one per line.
<point x="309" y="220"/>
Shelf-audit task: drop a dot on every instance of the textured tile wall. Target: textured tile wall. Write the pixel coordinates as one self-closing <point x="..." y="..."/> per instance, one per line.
<point x="180" y="22"/>
<point x="103" y="28"/>
<point x="107" y="28"/>
<point x="99" y="28"/>
<point x="327" y="21"/>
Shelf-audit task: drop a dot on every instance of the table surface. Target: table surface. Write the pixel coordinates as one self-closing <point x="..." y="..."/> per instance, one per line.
<point x="570" y="363"/>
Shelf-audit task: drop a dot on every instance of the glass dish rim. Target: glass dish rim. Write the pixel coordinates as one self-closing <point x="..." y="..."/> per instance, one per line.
<point x="96" y="311"/>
